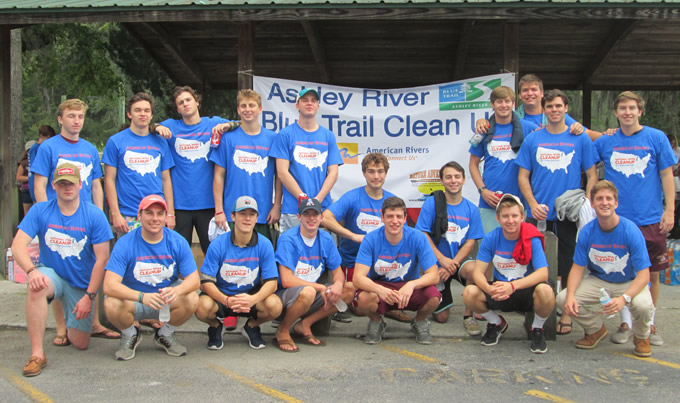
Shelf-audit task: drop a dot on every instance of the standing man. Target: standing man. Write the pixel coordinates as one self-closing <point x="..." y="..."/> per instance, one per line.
<point x="44" y="132"/>
<point x="639" y="161"/>
<point x="307" y="159"/>
<point x="74" y="248"/>
<point x="387" y="274"/>
<point x="613" y="249"/>
<point x="238" y="278"/>
<point x="143" y="276"/>
<point x="136" y="165"/>
<point x="499" y="150"/>
<point x="455" y="242"/>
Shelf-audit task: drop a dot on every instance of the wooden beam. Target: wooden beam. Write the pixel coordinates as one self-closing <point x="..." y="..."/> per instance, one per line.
<point x="246" y="55"/>
<point x="131" y="28"/>
<point x="511" y="48"/>
<point x="8" y="201"/>
<point x="462" y="48"/>
<point x="616" y="36"/>
<point x="312" y="31"/>
<point x="177" y="52"/>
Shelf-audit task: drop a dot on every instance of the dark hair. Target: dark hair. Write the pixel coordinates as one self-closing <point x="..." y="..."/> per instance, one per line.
<point x="552" y="94"/>
<point x="629" y="96"/>
<point x="530" y="78"/>
<point x="140" y="96"/>
<point x="393" y="202"/>
<point x="375" y="159"/>
<point x="454" y="165"/>
<point x="46" y="131"/>
<point x="178" y="90"/>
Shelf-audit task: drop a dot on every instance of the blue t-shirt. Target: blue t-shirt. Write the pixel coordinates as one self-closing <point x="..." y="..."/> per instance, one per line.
<point x="309" y="154"/>
<point x="250" y="171"/>
<point x="190" y="147"/>
<point x="464" y="223"/>
<point x="616" y="256"/>
<point x="57" y="150"/>
<point x="140" y="161"/>
<point x="633" y="164"/>
<point x="307" y="262"/>
<point x="148" y="267"/>
<point x="238" y="270"/>
<point x="496" y="247"/>
<point x="555" y="162"/>
<point x="66" y="241"/>
<point x="541" y="121"/>
<point x="396" y="263"/>
<point x="500" y="171"/>
<point x="32" y="153"/>
<point x="361" y="214"/>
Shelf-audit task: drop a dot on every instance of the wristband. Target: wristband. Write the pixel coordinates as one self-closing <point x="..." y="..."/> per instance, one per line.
<point x="226" y="301"/>
<point x="171" y="215"/>
<point x="140" y="298"/>
<point x="513" y="287"/>
<point x="480" y="190"/>
<point x="29" y="270"/>
<point x="218" y="213"/>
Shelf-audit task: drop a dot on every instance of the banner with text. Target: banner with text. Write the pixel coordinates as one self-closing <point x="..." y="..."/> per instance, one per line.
<point x="418" y="129"/>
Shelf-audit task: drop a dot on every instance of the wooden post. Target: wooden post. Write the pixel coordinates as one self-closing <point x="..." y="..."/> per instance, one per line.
<point x="246" y="55"/>
<point x="511" y="49"/>
<point x="587" y="105"/>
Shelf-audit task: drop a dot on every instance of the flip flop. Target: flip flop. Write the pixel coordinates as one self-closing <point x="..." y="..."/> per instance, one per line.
<point x="280" y="344"/>
<point x="106" y="334"/>
<point x="309" y="339"/>
<point x="61" y="340"/>
<point x="561" y="325"/>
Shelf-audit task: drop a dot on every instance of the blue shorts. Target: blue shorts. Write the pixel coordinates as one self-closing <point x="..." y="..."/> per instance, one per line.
<point x="69" y="297"/>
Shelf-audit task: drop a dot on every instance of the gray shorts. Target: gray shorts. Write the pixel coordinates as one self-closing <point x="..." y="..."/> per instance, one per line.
<point x="290" y="295"/>
<point x="143" y="312"/>
<point x="287" y="222"/>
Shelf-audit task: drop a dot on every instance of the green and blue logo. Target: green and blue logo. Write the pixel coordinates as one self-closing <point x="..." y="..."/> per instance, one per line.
<point x="466" y="95"/>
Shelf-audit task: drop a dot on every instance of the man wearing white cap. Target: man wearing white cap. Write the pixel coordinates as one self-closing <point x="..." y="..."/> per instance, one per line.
<point x="74" y="247"/>
<point x="143" y="276"/>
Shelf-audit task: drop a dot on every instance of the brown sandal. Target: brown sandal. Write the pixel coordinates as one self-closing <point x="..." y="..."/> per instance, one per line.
<point x="61" y="340"/>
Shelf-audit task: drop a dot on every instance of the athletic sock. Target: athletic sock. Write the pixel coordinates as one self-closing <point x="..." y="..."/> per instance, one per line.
<point x="539" y="321"/>
<point x="166" y="330"/>
<point x="130" y="331"/>
<point x="492" y="317"/>
<point x="626" y="317"/>
<point x="653" y="315"/>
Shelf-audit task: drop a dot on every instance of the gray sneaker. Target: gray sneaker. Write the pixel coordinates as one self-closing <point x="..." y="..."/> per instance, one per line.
<point x="170" y="344"/>
<point x="128" y="345"/>
<point x="471" y="326"/>
<point x="422" y="331"/>
<point x="375" y="332"/>
<point x="654" y="337"/>
<point x="622" y="334"/>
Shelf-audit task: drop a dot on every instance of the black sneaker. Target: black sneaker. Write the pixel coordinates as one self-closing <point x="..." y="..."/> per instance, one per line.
<point x="254" y="336"/>
<point x="538" y="344"/>
<point x="215" y="338"/>
<point x="494" y="333"/>
<point x="343" y="317"/>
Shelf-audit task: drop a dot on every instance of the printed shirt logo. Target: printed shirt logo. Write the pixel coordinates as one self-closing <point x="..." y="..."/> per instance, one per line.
<point x="192" y="149"/>
<point x="509" y="268"/>
<point x="391" y="270"/>
<point x="65" y="245"/>
<point x="368" y="223"/>
<point x="141" y="163"/>
<point x="607" y="261"/>
<point x="239" y="275"/>
<point x="309" y="157"/>
<point x="308" y="272"/>
<point x="85" y="170"/>
<point x="501" y="150"/>
<point x="456" y="234"/>
<point x="152" y="273"/>
<point x="629" y="164"/>
<point x="554" y="159"/>
<point x="250" y="162"/>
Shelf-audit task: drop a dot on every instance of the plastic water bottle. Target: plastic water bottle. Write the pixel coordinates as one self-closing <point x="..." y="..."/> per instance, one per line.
<point x="9" y="264"/>
<point x="340" y="305"/>
<point x="476" y="139"/>
<point x="605" y="299"/>
<point x="164" y="313"/>
<point x="541" y="224"/>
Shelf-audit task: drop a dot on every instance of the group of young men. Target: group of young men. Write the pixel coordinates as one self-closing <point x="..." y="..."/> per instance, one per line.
<point x="154" y="174"/>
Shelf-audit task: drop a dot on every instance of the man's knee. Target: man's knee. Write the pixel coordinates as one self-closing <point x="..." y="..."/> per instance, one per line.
<point x="471" y="294"/>
<point x="113" y="306"/>
<point x="206" y="308"/>
<point x="272" y="306"/>
<point x="307" y="295"/>
<point x="187" y="303"/>
<point x="544" y="293"/>
<point x="367" y="300"/>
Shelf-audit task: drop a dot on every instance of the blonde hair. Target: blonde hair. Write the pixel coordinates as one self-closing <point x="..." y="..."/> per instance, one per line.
<point x="74" y="104"/>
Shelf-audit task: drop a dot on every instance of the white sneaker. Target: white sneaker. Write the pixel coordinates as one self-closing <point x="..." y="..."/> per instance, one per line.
<point x="622" y="334"/>
<point x="654" y="338"/>
<point x="471" y="326"/>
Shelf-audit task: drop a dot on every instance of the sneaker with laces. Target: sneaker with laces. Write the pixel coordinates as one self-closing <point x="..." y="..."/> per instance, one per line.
<point x="254" y="336"/>
<point x="622" y="334"/>
<point x="654" y="337"/>
<point x="343" y="317"/>
<point x="170" y="344"/>
<point x="422" y="331"/>
<point x="494" y="333"/>
<point x="375" y="332"/>
<point x="34" y="365"/>
<point x="230" y="323"/>
<point x="215" y="337"/>
<point x="538" y="344"/>
<point x="471" y="326"/>
<point x="128" y="346"/>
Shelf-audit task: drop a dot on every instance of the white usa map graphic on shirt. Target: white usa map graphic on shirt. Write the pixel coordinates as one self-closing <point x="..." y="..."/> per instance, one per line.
<point x="501" y="150"/>
<point x="309" y="157"/>
<point x="239" y="275"/>
<point x="85" y="170"/>
<point x="192" y="149"/>
<point x="250" y="162"/>
<point x="141" y="163"/>
<point x="629" y="164"/>
<point x="509" y="268"/>
<point x="554" y="160"/>
<point x="308" y="272"/>
<point x="391" y="270"/>
<point x="368" y="223"/>
<point x="65" y="245"/>
<point x="456" y="234"/>
<point x="152" y="273"/>
<point x="607" y="261"/>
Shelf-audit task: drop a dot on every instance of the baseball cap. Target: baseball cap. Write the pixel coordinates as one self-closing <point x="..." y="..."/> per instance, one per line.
<point x="508" y="196"/>
<point x="29" y="144"/>
<point x="67" y="172"/>
<point x="152" y="199"/>
<point x="306" y="91"/>
<point x="309" y="204"/>
<point x="245" y="202"/>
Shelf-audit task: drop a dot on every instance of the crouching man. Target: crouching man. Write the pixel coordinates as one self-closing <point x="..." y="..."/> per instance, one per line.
<point x="143" y="275"/>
